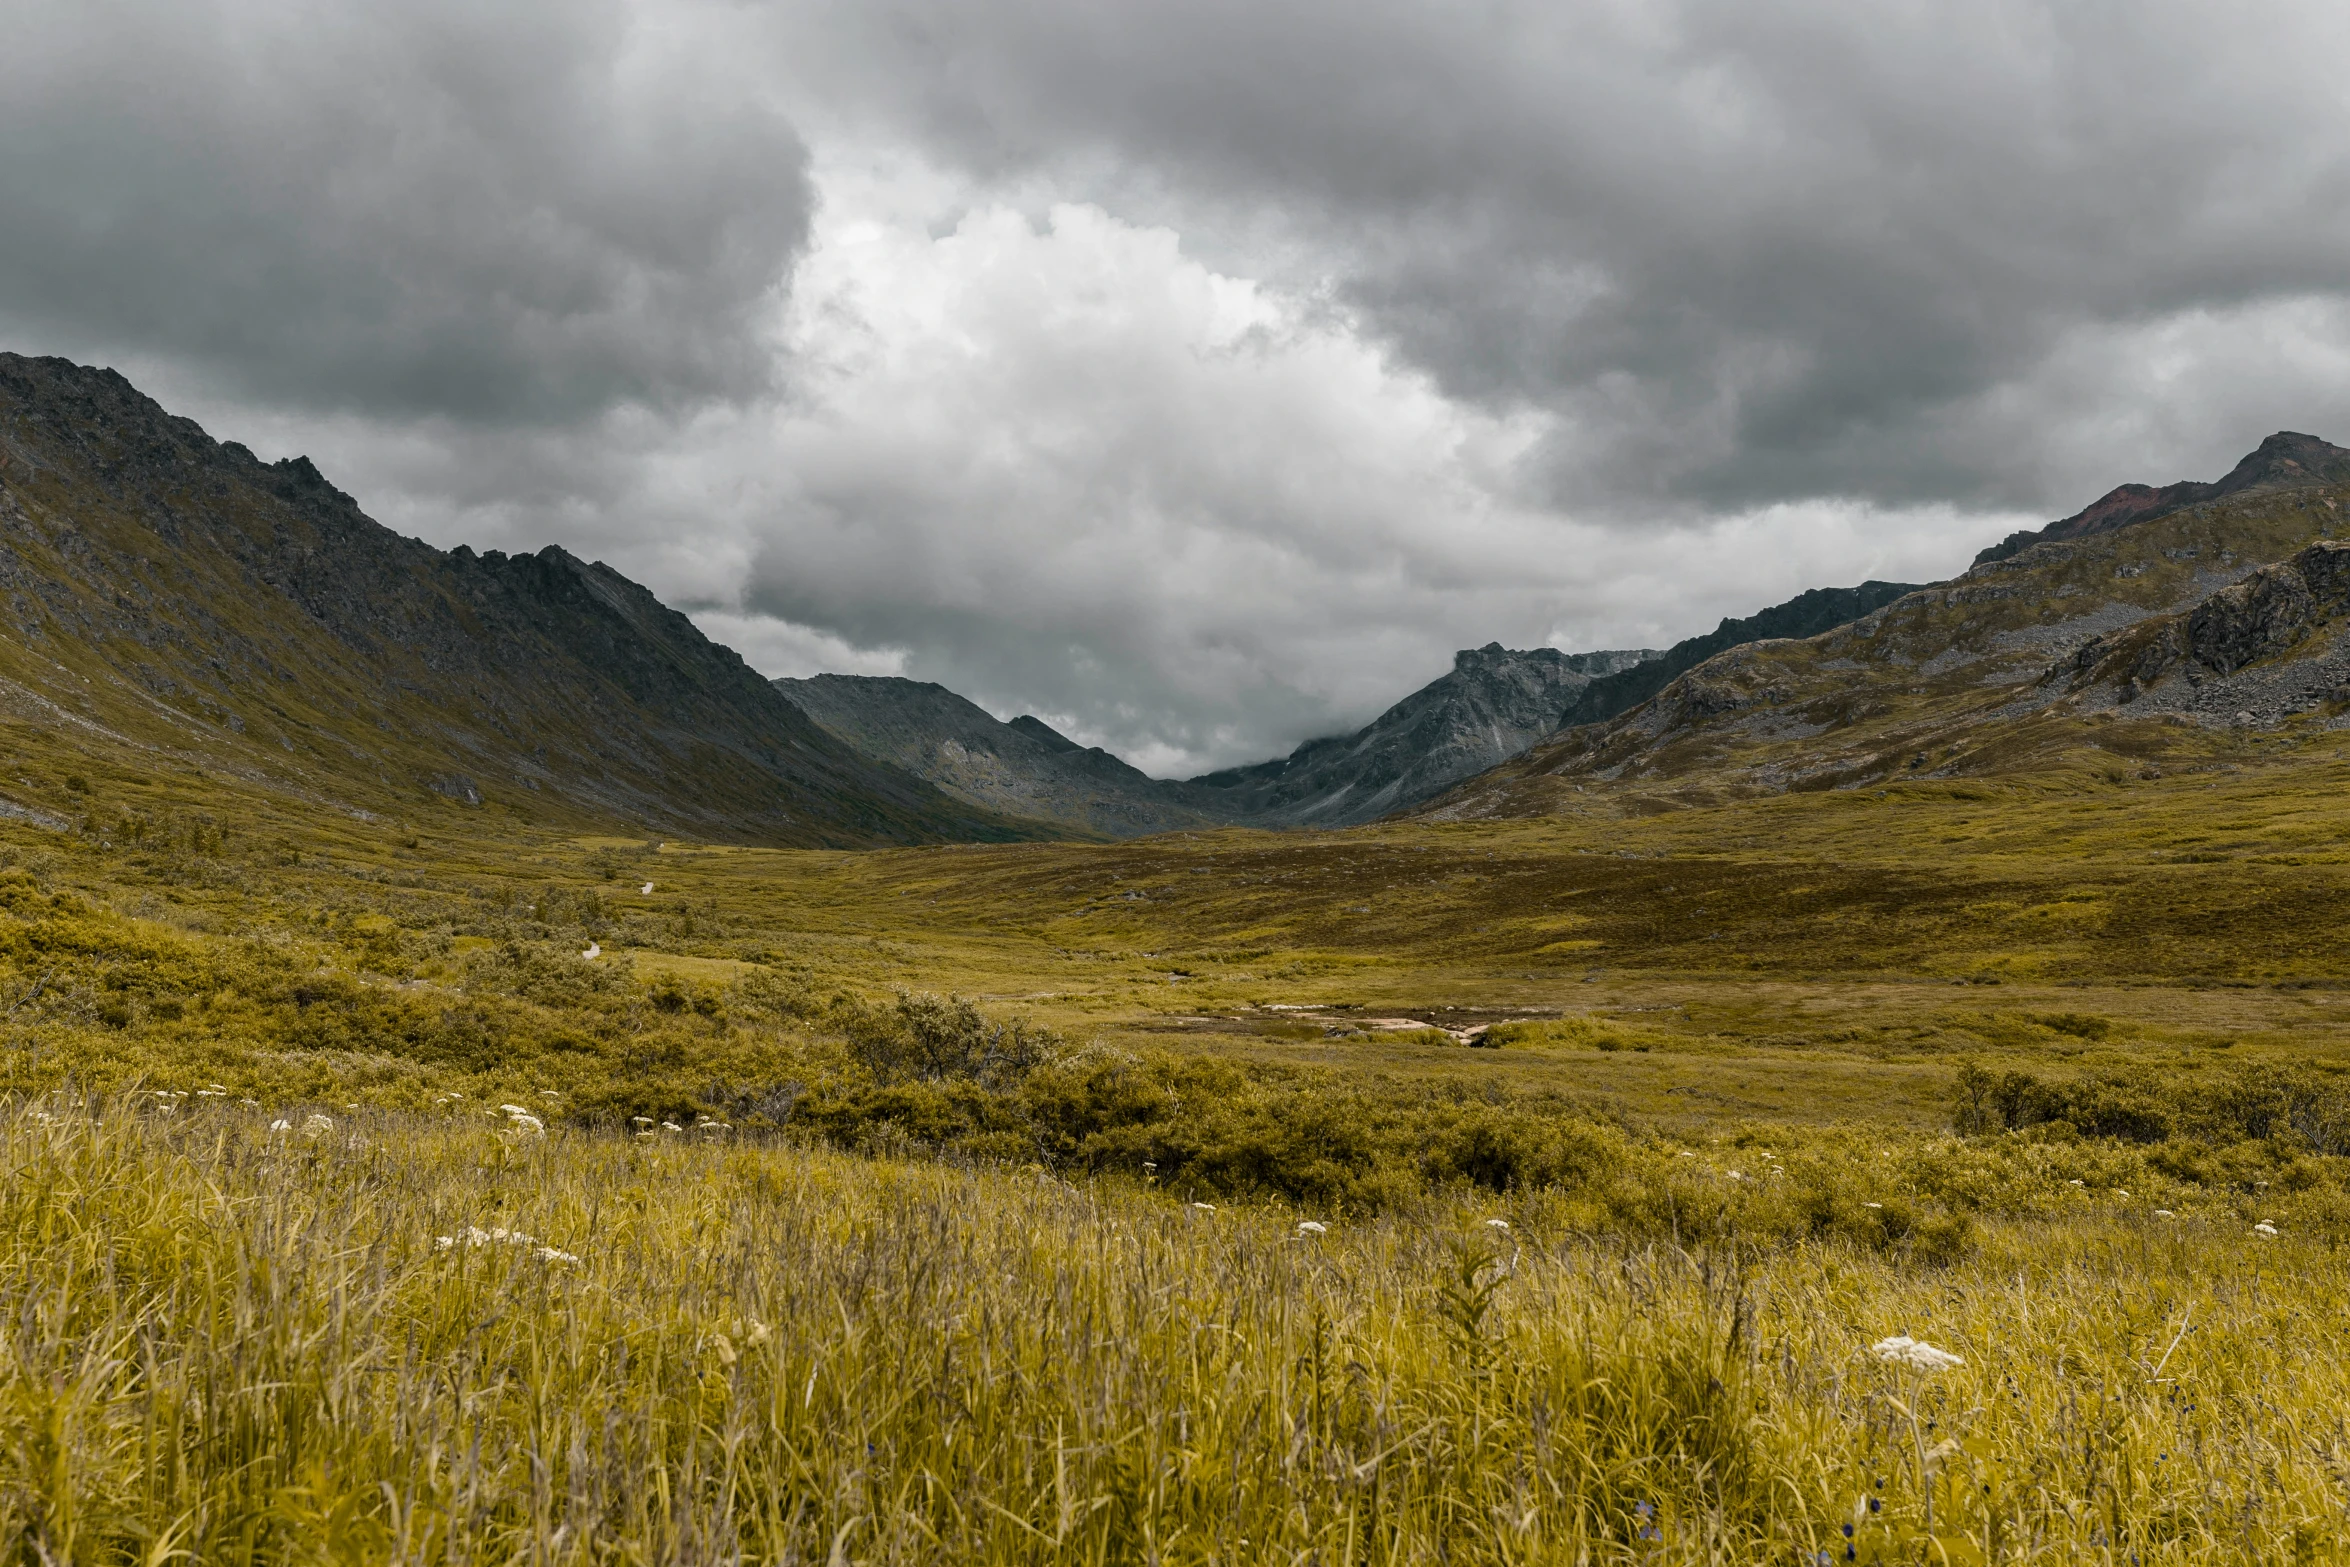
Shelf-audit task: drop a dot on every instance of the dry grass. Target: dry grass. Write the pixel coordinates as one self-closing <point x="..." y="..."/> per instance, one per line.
<point x="224" y="1345"/>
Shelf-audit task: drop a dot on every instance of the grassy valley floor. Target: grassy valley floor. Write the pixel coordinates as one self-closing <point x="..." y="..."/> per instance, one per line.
<point x="2015" y="1066"/>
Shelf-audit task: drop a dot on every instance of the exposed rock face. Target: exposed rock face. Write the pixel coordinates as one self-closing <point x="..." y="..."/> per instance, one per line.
<point x="1491" y="706"/>
<point x="1024" y="768"/>
<point x="2272" y="611"/>
<point x="2286" y="459"/>
<point x="190" y="598"/>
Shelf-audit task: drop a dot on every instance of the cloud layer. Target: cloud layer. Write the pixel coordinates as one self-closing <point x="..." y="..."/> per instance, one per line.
<point x="1199" y="374"/>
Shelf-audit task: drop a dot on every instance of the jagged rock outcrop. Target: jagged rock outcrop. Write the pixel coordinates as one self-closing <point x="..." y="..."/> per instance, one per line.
<point x="2272" y="611"/>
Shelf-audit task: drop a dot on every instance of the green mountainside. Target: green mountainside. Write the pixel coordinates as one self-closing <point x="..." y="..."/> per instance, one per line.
<point x="174" y="602"/>
<point x="2157" y="639"/>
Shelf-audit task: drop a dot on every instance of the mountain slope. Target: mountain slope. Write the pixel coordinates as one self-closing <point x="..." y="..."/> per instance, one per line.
<point x="2035" y="662"/>
<point x="1806" y="615"/>
<point x="1493" y="704"/>
<point x="1024" y="767"/>
<point x="173" y="595"/>
<point x="2285" y="460"/>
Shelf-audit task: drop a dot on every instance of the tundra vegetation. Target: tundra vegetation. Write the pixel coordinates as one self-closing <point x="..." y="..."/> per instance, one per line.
<point x="1570" y="1189"/>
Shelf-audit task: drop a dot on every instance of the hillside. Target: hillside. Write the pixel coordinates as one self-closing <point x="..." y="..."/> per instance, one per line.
<point x="1023" y="768"/>
<point x="2029" y="661"/>
<point x="1491" y="705"/>
<point x="176" y="602"/>
<point x="2285" y="460"/>
<point x="1806" y="615"/>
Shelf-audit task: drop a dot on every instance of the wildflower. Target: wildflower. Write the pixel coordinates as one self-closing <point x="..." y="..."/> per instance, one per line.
<point x="514" y="1109"/>
<point x="1917" y="1354"/>
<point x="549" y="1093"/>
<point x="2076" y="1183"/>
<point x="255" y="1103"/>
<point x="315" y="1126"/>
<point x="648" y="890"/>
<point x="1205" y="1207"/>
<point x="2164" y="1213"/>
<point x="550" y="1255"/>
<point x="1497" y="1224"/>
<point x="281" y="1125"/>
<point x="640" y="1120"/>
<point x="1735" y="1176"/>
<point x="2118" y="1192"/>
<point x="1312" y="1227"/>
<point x="754" y="1331"/>
<point x="1686" y="1154"/>
<point x="594" y="951"/>
<point x="671" y="1126"/>
<point x="2265" y="1228"/>
<point x="528" y="1125"/>
<point x="1872" y="1205"/>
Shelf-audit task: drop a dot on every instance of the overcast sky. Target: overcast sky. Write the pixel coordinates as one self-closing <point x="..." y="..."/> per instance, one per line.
<point x="1198" y="374"/>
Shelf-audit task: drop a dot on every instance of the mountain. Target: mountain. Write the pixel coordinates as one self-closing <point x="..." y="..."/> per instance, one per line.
<point x="1493" y="704"/>
<point x="2285" y="460"/>
<point x="1024" y="767"/>
<point x="2169" y="639"/>
<point x="1806" y="615"/>
<point x="175" y="598"/>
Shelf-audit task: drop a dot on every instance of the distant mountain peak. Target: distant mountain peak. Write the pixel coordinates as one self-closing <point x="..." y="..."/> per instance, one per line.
<point x="2284" y="459"/>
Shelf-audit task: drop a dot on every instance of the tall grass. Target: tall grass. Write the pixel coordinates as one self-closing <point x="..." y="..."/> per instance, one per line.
<point x="223" y="1344"/>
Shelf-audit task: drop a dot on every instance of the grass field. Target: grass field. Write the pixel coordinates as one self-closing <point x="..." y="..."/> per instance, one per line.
<point x="938" y="1290"/>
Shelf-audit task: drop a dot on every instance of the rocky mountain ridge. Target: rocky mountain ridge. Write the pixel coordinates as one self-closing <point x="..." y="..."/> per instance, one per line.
<point x="2286" y="459"/>
<point x="1024" y="767"/>
<point x="172" y="595"/>
<point x="2147" y="643"/>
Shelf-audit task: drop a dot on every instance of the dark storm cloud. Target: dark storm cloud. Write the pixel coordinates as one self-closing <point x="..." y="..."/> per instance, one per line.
<point x="516" y="211"/>
<point x="1746" y="252"/>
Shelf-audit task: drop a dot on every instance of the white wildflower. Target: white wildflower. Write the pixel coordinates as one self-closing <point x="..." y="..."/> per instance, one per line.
<point x="1686" y="1154"/>
<point x="527" y="1124"/>
<point x="1497" y="1224"/>
<point x="515" y="1109"/>
<point x="2076" y="1183"/>
<point x="2164" y="1213"/>
<point x="1872" y="1205"/>
<point x="1917" y="1354"/>
<point x="646" y="890"/>
<point x="550" y="1254"/>
<point x="315" y="1126"/>
<point x="2265" y="1228"/>
<point x="640" y="1120"/>
<point x="281" y="1125"/>
<point x="594" y="951"/>
<point x="2118" y="1192"/>
<point x="1312" y="1227"/>
<point x="1205" y="1207"/>
<point x="1735" y="1176"/>
<point x="549" y="1093"/>
<point x="671" y="1126"/>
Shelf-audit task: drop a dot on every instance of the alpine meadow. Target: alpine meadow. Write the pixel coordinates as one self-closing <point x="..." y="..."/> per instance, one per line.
<point x="1174" y="784"/>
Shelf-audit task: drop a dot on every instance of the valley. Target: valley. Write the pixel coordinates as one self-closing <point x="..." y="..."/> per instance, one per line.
<point x="729" y="1130"/>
